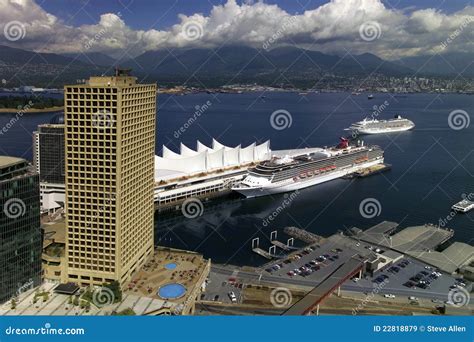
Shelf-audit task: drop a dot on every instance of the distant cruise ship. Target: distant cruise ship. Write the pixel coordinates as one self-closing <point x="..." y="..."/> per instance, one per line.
<point x="282" y="174"/>
<point x="374" y="126"/>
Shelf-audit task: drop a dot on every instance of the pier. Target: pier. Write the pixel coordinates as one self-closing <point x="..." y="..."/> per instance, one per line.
<point x="256" y="249"/>
<point x="279" y="244"/>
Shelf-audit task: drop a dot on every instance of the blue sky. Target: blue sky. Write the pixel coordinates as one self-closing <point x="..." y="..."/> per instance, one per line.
<point x="160" y="14"/>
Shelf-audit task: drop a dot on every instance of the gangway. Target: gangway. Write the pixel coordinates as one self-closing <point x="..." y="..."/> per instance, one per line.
<point x="271" y="251"/>
<point x="289" y="244"/>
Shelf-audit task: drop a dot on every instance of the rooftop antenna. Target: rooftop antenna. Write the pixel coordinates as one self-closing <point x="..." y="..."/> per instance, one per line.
<point x="122" y="72"/>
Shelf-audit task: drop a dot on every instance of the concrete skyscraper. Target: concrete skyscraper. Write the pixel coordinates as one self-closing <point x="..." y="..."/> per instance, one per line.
<point x="110" y="148"/>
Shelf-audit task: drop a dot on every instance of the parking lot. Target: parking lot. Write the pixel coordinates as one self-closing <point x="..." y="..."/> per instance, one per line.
<point x="309" y="266"/>
<point x="316" y="262"/>
<point x="425" y="281"/>
<point x="220" y="286"/>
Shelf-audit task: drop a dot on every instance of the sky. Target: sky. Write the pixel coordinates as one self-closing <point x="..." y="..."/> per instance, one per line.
<point x="390" y="29"/>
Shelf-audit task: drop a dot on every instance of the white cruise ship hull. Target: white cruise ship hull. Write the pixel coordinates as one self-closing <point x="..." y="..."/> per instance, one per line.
<point x="291" y="185"/>
<point x="383" y="130"/>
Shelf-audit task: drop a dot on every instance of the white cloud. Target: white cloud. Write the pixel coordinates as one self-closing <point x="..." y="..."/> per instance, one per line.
<point x="332" y="27"/>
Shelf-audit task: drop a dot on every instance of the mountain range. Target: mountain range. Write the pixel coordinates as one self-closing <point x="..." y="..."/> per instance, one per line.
<point x="226" y="65"/>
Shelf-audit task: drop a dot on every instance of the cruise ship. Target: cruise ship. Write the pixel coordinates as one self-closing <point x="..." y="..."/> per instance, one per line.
<point x="285" y="173"/>
<point x="374" y="126"/>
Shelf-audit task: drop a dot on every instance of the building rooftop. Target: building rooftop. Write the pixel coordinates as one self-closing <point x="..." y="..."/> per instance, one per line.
<point x="6" y="161"/>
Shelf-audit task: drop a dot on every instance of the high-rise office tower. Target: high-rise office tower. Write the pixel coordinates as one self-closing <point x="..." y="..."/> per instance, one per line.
<point x="48" y="152"/>
<point x="21" y="240"/>
<point x="110" y="149"/>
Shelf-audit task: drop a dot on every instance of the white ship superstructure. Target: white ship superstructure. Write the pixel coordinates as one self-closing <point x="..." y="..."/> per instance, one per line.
<point x="289" y="173"/>
<point x="374" y="126"/>
<point x="463" y="206"/>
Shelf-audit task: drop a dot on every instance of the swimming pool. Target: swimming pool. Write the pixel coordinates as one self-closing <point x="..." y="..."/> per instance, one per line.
<point x="171" y="291"/>
<point x="170" y="266"/>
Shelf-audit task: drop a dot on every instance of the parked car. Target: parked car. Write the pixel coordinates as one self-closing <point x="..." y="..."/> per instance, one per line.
<point x="232" y="297"/>
<point x="389" y="295"/>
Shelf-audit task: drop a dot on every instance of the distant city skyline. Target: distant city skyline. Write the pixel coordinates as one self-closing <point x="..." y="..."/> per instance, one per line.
<point x="389" y="29"/>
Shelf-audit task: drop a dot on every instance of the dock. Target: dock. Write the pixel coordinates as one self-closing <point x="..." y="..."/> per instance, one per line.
<point x="281" y="245"/>
<point x="263" y="253"/>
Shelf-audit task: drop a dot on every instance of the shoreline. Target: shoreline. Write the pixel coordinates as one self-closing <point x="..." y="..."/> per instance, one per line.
<point x="32" y="110"/>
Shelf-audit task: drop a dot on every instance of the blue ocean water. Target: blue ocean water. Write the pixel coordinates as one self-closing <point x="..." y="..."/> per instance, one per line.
<point x="432" y="166"/>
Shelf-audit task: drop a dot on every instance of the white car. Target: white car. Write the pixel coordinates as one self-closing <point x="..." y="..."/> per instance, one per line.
<point x="389" y="296"/>
<point x="427" y="268"/>
<point x="232" y="297"/>
<point x="355" y="280"/>
<point x="412" y="298"/>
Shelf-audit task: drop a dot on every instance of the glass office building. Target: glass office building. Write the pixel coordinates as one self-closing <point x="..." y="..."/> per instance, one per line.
<point x="20" y="229"/>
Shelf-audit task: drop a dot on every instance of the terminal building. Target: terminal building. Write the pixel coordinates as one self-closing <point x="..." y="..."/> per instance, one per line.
<point x="20" y="229"/>
<point x="204" y="172"/>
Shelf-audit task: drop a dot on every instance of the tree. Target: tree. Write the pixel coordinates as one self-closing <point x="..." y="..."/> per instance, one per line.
<point x="116" y="290"/>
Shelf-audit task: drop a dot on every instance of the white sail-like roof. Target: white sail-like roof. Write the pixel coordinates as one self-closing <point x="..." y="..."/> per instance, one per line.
<point x="217" y="145"/>
<point x="201" y="147"/>
<point x="232" y="156"/>
<point x="262" y="151"/>
<point x="186" y="151"/>
<point x="206" y="159"/>
<point x="215" y="160"/>
<point x="187" y="165"/>
<point x="247" y="154"/>
<point x="167" y="153"/>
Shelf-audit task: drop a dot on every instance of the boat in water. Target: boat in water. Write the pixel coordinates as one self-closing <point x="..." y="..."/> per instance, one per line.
<point x="374" y="126"/>
<point x="290" y="173"/>
<point x="370" y="97"/>
<point x="463" y="206"/>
